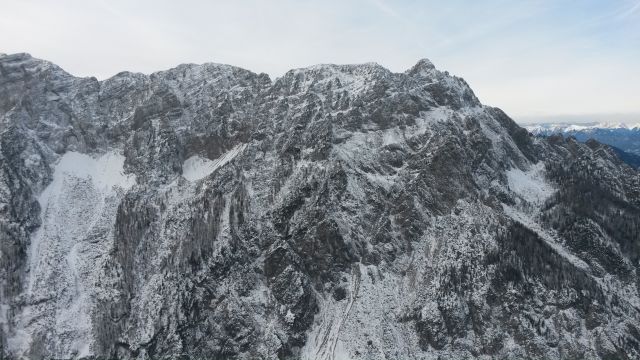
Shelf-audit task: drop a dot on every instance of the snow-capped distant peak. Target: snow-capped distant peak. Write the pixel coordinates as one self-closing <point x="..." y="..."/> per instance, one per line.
<point x="565" y="127"/>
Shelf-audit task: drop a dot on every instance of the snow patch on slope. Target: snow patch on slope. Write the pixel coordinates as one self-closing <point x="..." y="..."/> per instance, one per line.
<point x="104" y="173"/>
<point x="78" y="210"/>
<point x="196" y="168"/>
<point x="530" y="185"/>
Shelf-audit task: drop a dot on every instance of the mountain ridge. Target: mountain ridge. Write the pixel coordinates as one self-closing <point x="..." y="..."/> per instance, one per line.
<point x="420" y="65"/>
<point x="336" y="212"/>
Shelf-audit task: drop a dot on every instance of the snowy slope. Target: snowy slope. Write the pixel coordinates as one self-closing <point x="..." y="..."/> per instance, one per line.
<point x="78" y="207"/>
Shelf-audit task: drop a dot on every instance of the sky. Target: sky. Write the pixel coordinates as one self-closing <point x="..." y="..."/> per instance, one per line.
<point x="535" y="59"/>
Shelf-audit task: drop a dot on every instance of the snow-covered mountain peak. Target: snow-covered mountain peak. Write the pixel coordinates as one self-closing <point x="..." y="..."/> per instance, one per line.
<point x="340" y="211"/>
<point x="624" y="137"/>
<point x="424" y="68"/>
<point x="569" y="127"/>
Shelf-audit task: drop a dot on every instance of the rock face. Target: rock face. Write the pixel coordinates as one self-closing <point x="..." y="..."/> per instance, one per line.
<point x="337" y="212"/>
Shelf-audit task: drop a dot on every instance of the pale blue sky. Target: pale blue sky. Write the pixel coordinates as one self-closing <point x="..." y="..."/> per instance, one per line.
<point x="532" y="58"/>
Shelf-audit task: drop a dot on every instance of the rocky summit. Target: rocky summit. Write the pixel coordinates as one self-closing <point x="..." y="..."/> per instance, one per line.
<point x="337" y="212"/>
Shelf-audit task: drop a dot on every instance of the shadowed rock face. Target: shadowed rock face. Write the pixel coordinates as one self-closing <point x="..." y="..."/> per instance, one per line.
<point x="341" y="211"/>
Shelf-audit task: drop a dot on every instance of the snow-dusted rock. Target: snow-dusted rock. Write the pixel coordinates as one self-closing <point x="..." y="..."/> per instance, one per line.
<point x="338" y="212"/>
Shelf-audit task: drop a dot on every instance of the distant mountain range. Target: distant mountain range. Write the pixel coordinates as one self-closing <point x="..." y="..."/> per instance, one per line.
<point x="624" y="138"/>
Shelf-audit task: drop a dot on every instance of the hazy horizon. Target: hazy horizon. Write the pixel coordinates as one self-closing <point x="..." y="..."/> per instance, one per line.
<point x="537" y="59"/>
<point x="612" y="118"/>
